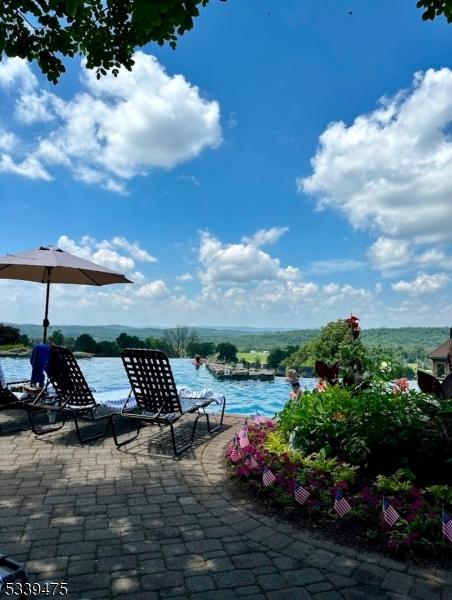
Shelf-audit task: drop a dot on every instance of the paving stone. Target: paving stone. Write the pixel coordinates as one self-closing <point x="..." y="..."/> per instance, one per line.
<point x="289" y="594"/>
<point x="232" y="579"/>
<point x="315" y="588"/>
<point x="328" y="596"/>
<point x="247" y="590"/>
<point x="303" y="576"/>
<point x="160" y="581"/>
<point x="398" y="582"/>
<point x="199" y="583"/>
<point x="271" y="582"/>
<point x="248" y="561"/>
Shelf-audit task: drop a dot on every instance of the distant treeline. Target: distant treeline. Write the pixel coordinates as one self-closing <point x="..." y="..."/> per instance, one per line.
<point x="408" y="344"/>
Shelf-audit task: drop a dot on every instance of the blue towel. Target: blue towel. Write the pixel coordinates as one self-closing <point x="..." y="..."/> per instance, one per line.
<point x="39" y="360"/>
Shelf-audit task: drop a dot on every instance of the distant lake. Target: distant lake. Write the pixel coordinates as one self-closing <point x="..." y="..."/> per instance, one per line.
<point x="108" y="378"/>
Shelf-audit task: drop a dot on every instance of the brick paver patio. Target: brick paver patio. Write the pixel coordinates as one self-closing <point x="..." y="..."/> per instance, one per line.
<point x="127" y="524"/>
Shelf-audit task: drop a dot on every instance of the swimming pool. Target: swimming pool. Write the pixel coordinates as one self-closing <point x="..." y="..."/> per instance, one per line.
<point x="108" y="378"/>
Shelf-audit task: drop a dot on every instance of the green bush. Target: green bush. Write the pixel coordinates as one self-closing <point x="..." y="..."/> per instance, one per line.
<point x="376" y="429"/>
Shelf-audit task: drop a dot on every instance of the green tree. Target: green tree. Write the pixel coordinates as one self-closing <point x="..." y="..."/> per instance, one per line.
<point x="57" y="337"/>
<point x="227" y="351"/>
<point x="107" y="33"/>
<point x="124" y="340"/>
<point x="276" y="357"/>
<point x="204" y="349"/>
<point x="9" y="334"/>
<point x="335" y="343"/>
<point x="106" y="348"/>
<point x="86" y="343"/>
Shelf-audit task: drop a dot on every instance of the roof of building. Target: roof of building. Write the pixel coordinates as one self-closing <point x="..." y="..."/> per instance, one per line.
<point x="443" y="350"/>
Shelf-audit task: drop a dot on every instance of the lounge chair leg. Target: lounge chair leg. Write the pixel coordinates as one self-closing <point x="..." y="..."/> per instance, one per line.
<point x="41" y="430"/>
<point x="115" y="437"/>
<point x="91" y="438"/>
<point x="220" y="425"/>
<point x="173" y="439"/>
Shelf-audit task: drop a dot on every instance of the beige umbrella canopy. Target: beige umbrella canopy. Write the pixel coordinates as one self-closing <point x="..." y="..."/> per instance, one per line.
<point x="52" y="265"/>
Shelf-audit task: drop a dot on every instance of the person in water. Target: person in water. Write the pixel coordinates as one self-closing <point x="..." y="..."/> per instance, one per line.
<point x="197" y="361"/>
<point x="292" y="378"/>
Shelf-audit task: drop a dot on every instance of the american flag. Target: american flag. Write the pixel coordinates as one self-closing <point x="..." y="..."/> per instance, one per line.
<point x="301" y="494"/>
<point x="243" y="438"/>
<point x="260" y="420"/>
<point x="253" y="462"/>
<point x="341" y="506"/>
<point x="390" y="515"/>
<point x="447" y="525"/>
<point x="268" y="478"/>
<point x="235" y="453"/>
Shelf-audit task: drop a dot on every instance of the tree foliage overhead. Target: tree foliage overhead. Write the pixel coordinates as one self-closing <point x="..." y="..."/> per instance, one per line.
<point x="436" y="8"/>
<point x="106" y="32"/>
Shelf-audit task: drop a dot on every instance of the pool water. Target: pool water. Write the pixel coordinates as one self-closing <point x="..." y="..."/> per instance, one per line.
<point x="108" y="378"/>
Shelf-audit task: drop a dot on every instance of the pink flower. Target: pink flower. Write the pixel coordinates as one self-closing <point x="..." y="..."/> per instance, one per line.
<point x="400" y="385"/>
<point x="321" y="386"/>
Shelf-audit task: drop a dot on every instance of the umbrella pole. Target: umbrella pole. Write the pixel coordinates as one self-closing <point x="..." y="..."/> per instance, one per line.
<point x="45" y="322"/>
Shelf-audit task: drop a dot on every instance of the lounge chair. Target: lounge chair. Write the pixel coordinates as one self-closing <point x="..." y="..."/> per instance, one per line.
<point x="9" y="401"/>
<point x="72" y="397"/>
<point x="156" y="397"/>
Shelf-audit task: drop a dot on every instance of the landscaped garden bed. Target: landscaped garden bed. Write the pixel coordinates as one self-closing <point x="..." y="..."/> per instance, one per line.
<point x="369" y="464"/>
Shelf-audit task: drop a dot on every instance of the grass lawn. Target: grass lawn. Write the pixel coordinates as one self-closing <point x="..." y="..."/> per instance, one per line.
<point x="252" y="357"/>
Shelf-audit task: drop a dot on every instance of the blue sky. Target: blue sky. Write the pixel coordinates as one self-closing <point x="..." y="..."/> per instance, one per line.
<point x="288" y="164"/>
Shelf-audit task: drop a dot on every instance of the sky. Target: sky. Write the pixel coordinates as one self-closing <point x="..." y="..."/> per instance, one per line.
<point x="289" y="164"/>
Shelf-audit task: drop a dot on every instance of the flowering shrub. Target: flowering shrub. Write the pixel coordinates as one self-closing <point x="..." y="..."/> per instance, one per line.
<point x="418" y="527"/>
<point x="376" y="429"/>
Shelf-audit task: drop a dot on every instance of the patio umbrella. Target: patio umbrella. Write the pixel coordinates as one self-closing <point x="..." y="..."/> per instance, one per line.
<point x="52" y="265"/>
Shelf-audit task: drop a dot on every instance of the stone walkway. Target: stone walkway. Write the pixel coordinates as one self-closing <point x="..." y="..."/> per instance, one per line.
<point x="126" y="524"/>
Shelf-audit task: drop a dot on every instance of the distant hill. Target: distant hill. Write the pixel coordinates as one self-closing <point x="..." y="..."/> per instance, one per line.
<point x="411" y="342"/>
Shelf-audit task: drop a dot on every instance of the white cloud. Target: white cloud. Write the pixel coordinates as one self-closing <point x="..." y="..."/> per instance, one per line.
<point x="104" y="253"/>
<point x="185" y="277"/>
<point x="243" y="262"/>
<point x="117" y="128"/>
<point x="29" y="167"/>
<point x="265" y="236"/>
<point x="7" y="140"/>
<point x="134" y="250"/>
<point x="387" y="254"/>
<point x="336" y="265"/>
<point x="190" y="178"/>
<point x="15" y="72"/>
<point x="390" y="169"/>
<point x="154" y="290"/>
<point x="422" y="284"/>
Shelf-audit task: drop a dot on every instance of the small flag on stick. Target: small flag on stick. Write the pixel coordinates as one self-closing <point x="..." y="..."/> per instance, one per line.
<point x="447" y="525"/>
<point x="301" y="494"/>
<point x="243" y="438"/>
<point x="235" y="452"/>
<point x="390" y="515"/>
<point x="341" y="506"/>
<point x="253" y="462"/>
<point x="268" y="478"/>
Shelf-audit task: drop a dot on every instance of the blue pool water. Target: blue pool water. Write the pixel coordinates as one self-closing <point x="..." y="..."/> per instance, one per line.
<point x="108" y="378"/>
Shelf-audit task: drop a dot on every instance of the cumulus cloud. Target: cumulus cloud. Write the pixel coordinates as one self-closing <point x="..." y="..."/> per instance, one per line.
<point x="387" y="254"/>
<point x="117" y="128"/>
<point x="155" y="290"/>
<point x="389" y="170"/>
<point x="242" y="262"/>
<point x="422" y="284"/>
<point x="105" y="252"/>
